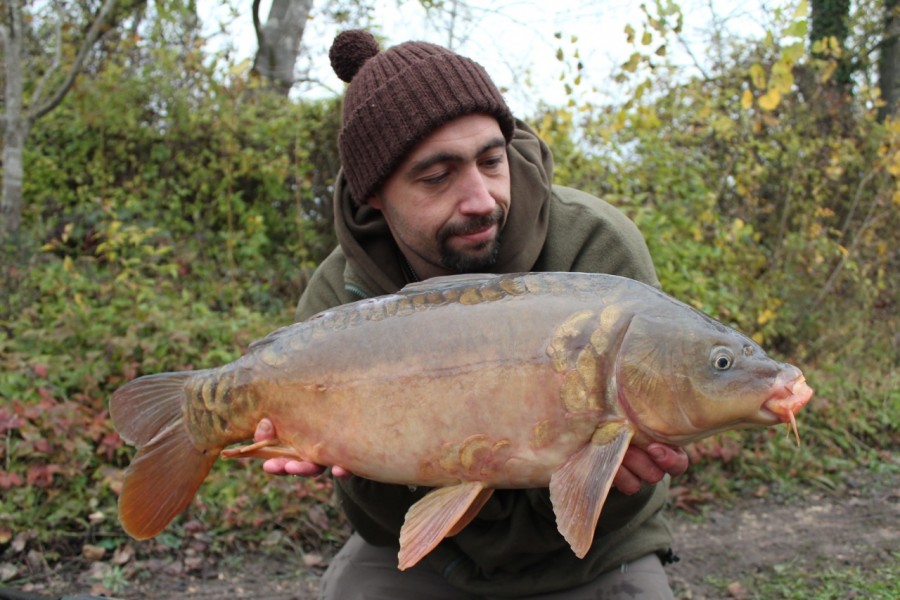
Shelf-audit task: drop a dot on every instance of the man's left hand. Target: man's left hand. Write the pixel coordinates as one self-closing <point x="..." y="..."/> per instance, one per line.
<point x="649" y="465"/>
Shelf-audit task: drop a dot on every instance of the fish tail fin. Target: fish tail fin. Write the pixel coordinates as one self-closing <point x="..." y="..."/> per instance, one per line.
<point x="168" y="468"/>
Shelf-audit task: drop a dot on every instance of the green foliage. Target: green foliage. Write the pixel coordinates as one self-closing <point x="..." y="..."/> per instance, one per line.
<point x="769" y="201"/>
<point x="171" y="212"/>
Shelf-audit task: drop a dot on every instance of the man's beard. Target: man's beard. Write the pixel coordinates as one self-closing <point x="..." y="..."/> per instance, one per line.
<point x="476" y="260"/>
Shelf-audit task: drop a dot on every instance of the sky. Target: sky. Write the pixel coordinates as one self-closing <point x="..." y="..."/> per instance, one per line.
<point x="513" y="39"/>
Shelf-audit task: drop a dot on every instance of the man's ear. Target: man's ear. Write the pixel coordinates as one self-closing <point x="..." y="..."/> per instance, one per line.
<point x="375" y="201"/>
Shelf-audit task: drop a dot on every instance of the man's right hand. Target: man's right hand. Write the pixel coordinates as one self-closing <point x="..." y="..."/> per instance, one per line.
<point x="288" y="466"/>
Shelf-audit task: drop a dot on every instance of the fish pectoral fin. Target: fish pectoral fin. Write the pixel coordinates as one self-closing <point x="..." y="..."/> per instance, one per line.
<point x="266" y="449"/>
<point x="442" y="512"/>
<point x="579" y="488"/>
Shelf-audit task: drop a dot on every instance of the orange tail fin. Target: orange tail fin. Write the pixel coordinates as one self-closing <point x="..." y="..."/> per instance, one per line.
<point x="168" y="468"/>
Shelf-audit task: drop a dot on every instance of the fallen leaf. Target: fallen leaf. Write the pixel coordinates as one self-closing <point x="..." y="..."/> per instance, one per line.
<point x="8" y="571"/>
<point x="123" y="554"/>
<point x="311" y="559"/>
<point x="93" y="553"/>
<point x="738" y="591"/>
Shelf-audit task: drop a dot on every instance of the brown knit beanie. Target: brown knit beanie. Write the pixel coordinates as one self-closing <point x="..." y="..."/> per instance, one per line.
<point x="399" y="96"/>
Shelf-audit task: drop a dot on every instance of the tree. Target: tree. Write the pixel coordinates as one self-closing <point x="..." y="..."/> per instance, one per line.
<point x="830" y="19"/>
<point x="889" y="60"/>
<point x="38" y="78"/>
<point x="279" y="40"/>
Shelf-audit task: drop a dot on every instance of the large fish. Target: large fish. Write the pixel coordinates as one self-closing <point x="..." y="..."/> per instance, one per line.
<point x="465" y="384"/>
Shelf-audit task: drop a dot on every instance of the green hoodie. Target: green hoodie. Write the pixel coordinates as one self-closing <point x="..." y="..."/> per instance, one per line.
<point x="512" y="548"/>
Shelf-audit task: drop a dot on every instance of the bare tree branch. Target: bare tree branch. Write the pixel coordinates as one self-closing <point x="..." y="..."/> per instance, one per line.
<point x="98" y="27"/>
<point x="57" y="58"/>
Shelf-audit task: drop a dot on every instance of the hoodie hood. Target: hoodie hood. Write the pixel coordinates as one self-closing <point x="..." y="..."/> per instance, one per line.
<point x="373" y="258"/>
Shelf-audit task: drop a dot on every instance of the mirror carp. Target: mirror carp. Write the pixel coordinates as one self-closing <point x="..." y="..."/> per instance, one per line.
<point x="464" y="384"/>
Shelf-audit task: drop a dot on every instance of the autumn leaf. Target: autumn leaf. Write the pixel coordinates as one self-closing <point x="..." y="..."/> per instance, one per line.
<point x="770" y="100"/>
<point x="747" y="99"/>
<point x="758" y="76"/>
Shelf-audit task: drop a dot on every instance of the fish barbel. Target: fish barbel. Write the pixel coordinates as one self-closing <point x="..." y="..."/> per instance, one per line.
<point x="464" y="384"/>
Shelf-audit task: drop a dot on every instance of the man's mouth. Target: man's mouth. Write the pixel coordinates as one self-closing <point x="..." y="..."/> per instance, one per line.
<point x="478" y="236"/>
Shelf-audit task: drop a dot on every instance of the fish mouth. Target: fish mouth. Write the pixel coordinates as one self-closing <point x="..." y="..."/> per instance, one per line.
<point x="790" y="393"/>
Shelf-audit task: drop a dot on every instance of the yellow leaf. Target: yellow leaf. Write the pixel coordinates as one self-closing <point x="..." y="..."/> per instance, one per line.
<point x="827" y="71"/>
<point x="770" y="100"/>
<point x="802" y="9"/>
<point x="758" y="76"/>
<point x="646" y="38"/>
<point x="633" y="62"/>
<point x="629" y="34"/>
<point x="747" y="99"/>
<point x="765" y="316"/>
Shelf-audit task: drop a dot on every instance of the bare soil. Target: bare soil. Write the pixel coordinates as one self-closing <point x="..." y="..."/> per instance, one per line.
<point x="854" y="526"/>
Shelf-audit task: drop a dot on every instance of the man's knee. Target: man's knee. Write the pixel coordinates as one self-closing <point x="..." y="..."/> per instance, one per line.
<point x="361" y="571"/>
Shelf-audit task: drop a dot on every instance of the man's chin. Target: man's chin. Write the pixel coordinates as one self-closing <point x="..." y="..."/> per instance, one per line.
<point x="479" y="258"/>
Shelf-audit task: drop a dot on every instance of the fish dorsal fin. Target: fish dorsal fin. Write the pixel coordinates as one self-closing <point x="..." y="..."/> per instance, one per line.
<point x="442" y="512"/>
<point x="579" y="488"/>
<point x="447" y="281"/>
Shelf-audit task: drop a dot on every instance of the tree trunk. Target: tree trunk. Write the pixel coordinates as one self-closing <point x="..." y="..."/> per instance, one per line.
<point x="889" y="61"/>
<point x="17" y="118"/>
<point x="279" y="40"/>
<point x="15" y="125"/>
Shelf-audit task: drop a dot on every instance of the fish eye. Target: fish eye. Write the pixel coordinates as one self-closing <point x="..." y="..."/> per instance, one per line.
<point x="722" y="358"/>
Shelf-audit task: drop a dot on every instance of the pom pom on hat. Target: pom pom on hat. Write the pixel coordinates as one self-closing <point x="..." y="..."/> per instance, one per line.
<point x="397" y="97"/>
<point x="350" y="50"/>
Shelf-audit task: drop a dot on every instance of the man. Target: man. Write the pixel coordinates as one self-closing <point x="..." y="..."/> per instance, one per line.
<point x="438" y="178"/>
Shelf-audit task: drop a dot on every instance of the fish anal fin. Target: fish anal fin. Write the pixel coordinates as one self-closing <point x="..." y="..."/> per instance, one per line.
<point x="473" y="510"/>
<point x="435" y="516"/>
<point x="265" y="449"/>
<point x="579" y="488"/>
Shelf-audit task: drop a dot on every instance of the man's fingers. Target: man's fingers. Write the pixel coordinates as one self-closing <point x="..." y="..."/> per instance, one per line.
<point x="288" y="466"/>
<point x="642" y="466"/>
<point x="671" y="459"/>
<point x="626" y="482"/>
<point x="264" y="431"/>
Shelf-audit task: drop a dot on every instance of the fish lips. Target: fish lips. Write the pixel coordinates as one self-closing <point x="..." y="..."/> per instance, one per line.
<point x="790" y="393"/>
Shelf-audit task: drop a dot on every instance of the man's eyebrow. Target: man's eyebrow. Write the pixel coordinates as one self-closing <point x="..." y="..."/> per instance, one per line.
<point x="422" y="165"/>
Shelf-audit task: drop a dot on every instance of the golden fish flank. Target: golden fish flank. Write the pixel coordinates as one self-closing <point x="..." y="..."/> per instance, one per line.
<point x="510" y="381"/>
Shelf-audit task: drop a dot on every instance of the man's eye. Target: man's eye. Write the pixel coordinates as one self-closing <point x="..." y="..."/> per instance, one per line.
<point x="435" y="179"/>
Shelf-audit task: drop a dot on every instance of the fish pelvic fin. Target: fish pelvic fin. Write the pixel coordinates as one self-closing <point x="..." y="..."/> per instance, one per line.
<point x="578" y="489"/>
<point x="168" y="468"/>
<point x="442" y="512"/>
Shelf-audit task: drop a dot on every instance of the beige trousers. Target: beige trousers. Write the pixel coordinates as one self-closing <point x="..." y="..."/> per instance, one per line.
<point x="361" y="571"/>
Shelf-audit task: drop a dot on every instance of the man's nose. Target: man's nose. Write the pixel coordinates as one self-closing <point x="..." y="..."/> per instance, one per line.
<point x="475" y="195"/>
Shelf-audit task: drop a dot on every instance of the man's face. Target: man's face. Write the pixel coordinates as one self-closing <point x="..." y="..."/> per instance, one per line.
<point x="448" y="200"/>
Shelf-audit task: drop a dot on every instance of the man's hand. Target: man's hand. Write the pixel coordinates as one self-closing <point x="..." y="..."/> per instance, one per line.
<point x="286" y="466"/>
<point x="649" y="465"/>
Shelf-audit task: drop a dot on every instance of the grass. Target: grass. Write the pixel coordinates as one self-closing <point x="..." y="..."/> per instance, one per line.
<point x="799" y="580"/>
